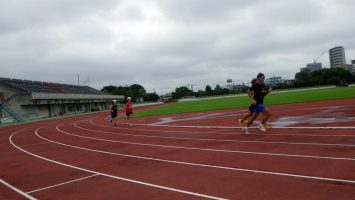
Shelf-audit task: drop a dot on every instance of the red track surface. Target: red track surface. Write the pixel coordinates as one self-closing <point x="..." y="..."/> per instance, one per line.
<point x="85" y="157"/>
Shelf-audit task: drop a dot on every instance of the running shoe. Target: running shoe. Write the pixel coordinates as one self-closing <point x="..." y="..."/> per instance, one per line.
<point x="267" y="126"/>
<point x="245" y="130"/>
<point x="241" y="123"/>
<point x="262" y="127"/>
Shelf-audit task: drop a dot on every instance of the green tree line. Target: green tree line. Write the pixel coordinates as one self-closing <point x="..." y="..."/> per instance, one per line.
<point x="325" y="76"/>
<point x="136" y="91"/>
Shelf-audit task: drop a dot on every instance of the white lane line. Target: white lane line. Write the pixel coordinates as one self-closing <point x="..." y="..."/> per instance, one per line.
<point x="64" y="183"/>
<point x="219" y="140"/>
<point x="17" y="190"/>
<point x="276" y="111"/>
<point x="200" y="165"/>
<point x="112" y="176"/>
<point x="212" y="132"/>
<point x="203" y="149"/>
<point x="289" y="134"/>
<point x="235" y="127"/>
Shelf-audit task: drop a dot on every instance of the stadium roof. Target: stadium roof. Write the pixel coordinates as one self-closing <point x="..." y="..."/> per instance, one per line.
<point x="46" y="87"/>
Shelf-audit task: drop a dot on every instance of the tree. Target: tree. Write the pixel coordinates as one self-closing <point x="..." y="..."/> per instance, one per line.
<point x="208" y="90"/>
<point x="218" y="90"/>
<point x="108" y="89"/>
<point x="151" y="97"/>
<point x="334" y="80"/>
<point x="137" y="91"/>
<point x="200" y="93"/>
<point x="302" y="76"/>
<point x="181" y="92"/>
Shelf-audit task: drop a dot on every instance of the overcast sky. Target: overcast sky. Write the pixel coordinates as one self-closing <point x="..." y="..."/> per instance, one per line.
<point x="163" y="44"/>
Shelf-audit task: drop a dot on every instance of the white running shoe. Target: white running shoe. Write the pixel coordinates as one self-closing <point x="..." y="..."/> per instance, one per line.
<point x="245" y="130"/>
<point x="262" y="127"/>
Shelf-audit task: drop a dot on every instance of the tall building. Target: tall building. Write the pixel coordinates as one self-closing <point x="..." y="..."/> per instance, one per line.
<point x="314" y="66"/>
<point x="337" y="56"/>
<point x="274" y="80"/>
<point x="311" y="67"/>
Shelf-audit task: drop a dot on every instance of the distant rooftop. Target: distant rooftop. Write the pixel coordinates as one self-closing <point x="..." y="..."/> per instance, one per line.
<point x="46" y="87"/>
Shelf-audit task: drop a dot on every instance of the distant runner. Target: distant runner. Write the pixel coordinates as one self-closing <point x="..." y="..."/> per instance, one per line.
<point x="114" y="112"/>
<point x="129" y="108"/>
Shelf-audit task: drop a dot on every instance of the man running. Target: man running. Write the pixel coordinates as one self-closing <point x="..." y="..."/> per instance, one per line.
<point x="257" y="93"/>
<point x="251" y="108"/>
<point x="129" y="108"/>
<point x="114" y="111"/>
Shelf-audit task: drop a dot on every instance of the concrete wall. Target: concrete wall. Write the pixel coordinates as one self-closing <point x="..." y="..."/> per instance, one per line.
<point x="9" y="91"/>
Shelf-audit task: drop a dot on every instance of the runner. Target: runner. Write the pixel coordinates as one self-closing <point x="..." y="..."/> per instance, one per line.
<point x="251" y="107"/>
<point x="129" y="109"/>
<point x="257" y="93"/>
<point x="114" y="111"/>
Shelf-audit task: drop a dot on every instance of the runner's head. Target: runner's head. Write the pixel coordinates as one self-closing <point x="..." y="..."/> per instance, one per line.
<point x="114" y="102"/>
<point x="261" y="77"/>
<point x="129" y="98"/>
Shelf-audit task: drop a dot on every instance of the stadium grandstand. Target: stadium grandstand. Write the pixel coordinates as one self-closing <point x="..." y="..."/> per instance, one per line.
<point x="24" y="99"/>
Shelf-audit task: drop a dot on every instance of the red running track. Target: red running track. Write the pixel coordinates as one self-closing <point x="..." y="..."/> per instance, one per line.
<point x="85" y="157"/>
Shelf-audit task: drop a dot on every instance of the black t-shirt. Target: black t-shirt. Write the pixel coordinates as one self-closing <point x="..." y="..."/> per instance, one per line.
<point x="114" y="109"/>
<point x="259" y="92"/>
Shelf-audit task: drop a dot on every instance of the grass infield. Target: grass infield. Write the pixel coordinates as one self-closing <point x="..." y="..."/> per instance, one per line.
<point x="244" y="101"/>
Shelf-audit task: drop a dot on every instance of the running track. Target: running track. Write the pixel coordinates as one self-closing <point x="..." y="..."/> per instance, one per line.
<point x="309" y="154"/>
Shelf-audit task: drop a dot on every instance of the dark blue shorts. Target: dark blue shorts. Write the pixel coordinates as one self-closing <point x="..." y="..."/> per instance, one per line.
<point x="259" y="108"/>
<point x="113" y="115"/>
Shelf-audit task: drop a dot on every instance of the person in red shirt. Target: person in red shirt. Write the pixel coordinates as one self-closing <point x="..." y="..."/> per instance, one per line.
<point x="128" y="107"/>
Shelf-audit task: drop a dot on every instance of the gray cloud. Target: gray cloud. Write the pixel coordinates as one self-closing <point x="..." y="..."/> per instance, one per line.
<point x="163" y="44"/>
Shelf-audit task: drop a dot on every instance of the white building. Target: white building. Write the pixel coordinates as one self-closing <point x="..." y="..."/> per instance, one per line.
<point x="274" y="80"/>
<point x="337" y="56"/>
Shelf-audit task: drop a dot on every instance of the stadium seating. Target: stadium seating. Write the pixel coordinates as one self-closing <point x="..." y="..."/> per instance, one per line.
<point x="46" y="87"/>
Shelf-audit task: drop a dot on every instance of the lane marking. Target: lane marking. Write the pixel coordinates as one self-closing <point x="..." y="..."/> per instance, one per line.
<point x="213" y="132"/>
<point x="219" y="140"/>
<point x="204" y="149"/>
<point x="64" y="183"/>
<point x="17" y="190"/>
<point x="112" y="176"/>
<point x="252" y="127"/>
<point x="200" y="165"/>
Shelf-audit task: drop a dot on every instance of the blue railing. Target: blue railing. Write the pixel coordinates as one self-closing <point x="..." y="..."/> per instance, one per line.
<point x="5" y="108"/>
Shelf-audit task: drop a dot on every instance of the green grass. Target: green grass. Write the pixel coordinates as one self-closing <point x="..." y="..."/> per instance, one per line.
<point x="240" y="102"/>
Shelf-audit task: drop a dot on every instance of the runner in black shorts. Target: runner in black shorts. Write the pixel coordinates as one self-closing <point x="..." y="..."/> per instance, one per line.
<point x="251" y="108"/>
<point x="114" y="111"/>
<point x="257" y="96"/>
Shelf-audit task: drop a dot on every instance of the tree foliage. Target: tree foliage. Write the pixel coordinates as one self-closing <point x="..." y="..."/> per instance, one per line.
<point x="326" y="76"/>
<point x="135" y="91"/>
<point x="182" y="92"/>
